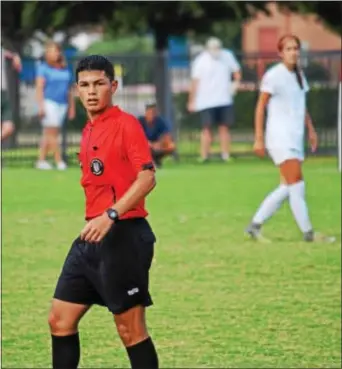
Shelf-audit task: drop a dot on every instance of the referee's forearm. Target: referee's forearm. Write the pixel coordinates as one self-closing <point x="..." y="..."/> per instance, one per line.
<point x="143" y="185"/>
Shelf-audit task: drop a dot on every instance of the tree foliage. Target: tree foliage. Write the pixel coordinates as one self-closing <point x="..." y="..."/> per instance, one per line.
<point x="21" y="19"/>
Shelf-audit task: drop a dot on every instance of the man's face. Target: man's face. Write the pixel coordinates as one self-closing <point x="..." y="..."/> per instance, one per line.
<point x="290" y="52"/>
<point x="95" y="90"/>
<point x="150" y="114"/>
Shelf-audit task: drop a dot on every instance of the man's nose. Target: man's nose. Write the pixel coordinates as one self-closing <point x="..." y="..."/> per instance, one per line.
<point x="91" y="90"/>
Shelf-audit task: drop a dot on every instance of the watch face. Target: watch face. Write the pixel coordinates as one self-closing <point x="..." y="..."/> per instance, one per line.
<point x="112" y="214"/>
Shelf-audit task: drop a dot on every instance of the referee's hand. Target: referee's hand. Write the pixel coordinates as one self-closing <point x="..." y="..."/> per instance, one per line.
<point x="96" y="229"/>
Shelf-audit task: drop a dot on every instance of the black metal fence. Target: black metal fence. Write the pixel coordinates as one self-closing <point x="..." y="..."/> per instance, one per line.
<point x="143" y="78"/>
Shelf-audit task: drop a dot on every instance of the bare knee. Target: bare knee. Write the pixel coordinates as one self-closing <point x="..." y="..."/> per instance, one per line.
<point x="291" y="171"/>
<point x="61" y="326"/>
<point x="131" y="326"/>
<point x="206" y="133"/>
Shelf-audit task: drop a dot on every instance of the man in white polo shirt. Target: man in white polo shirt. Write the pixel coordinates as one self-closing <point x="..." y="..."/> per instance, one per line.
<point x="211" y="93"/>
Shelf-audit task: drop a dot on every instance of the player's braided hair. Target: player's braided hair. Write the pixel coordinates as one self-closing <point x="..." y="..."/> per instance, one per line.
<point x="281" y="44"/>
<point x="96" y="62"/>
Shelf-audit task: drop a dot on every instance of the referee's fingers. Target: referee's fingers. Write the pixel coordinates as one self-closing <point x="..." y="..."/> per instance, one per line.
<point x="85" y="230"/>
<point x="98" y="238"/>
<point x="91" y="234"/>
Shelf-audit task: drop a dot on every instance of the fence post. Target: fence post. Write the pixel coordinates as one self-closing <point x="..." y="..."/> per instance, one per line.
<point x="64" y="146"/>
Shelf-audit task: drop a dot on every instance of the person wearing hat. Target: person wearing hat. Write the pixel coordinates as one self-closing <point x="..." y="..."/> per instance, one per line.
<point x="212" y="92"/>
<point x="157" y="132"/>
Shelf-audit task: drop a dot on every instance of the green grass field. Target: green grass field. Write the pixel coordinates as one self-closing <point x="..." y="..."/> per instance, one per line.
<point x="220" y="300"/>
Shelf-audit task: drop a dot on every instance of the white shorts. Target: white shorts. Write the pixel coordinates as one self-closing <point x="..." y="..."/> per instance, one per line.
<point x="279" y="155"/>
<point x="55" y="114"/>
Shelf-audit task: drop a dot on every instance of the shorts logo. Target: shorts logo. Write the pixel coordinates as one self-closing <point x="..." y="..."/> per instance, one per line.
<point x="96" y="167"/>
<point x="133" y="291"/>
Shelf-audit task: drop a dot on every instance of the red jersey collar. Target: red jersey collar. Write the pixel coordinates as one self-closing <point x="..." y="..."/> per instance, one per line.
<point x="112" y="112"/>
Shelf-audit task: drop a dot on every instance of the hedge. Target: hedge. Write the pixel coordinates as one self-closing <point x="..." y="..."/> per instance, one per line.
<point x="322" y="104"/>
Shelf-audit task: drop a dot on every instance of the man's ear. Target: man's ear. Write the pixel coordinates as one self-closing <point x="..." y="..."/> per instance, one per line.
<point x="114" y="86"/>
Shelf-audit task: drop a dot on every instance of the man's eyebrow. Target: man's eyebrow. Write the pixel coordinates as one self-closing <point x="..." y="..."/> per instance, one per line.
<point x="96" y="81"/>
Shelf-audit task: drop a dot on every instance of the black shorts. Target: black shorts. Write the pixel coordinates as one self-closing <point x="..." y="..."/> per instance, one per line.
<point x="219" y="116"/>
<point x="113" y="273"/>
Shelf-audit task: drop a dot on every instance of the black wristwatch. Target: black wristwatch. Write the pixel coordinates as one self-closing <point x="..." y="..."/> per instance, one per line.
<point x="112" y="215"/>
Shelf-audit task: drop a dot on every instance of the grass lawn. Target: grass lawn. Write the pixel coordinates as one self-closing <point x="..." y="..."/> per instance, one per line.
<point x="220" y="300"/>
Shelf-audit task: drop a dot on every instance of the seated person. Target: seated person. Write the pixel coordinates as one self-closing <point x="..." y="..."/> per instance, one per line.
<point x="157" y="133"/>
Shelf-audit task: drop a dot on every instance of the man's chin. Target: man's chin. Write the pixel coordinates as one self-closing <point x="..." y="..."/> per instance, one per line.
<point x="95" y="109"/>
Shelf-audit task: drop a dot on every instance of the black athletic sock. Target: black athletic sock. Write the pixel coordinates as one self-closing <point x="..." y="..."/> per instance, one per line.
<point x="143" y="355"/>
<point x="65" y="351"/>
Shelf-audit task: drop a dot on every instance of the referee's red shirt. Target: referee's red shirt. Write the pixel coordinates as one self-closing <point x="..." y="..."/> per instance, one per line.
<point x="114" y="150"/>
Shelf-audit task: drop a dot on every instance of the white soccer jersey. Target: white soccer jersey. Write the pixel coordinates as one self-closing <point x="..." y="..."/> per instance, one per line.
<point x="214" y="77"/>
<point x="285" y="125"/>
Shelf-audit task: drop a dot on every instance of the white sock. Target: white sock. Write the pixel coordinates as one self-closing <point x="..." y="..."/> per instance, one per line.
<point x="271" y="204"/>
<point x="298" y="206"/>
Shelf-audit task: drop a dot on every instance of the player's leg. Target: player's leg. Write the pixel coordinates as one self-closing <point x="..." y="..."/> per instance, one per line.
<point x="44" y="149"/>
<point x="268" y="207"/>
<point x="125" y="281"/>
<point x="63" y="321"/>
<point x="225" y="121"/>
<point x="207" y="117"/>
<point x="45" y="143"/>
<point x="73" y="296"/>
<point x="272" y="201"/>
<point x="61" y="111"/>
<point x="131" y="326"/>
<point x="56" y="148"/>
<point x="291" y="171"/>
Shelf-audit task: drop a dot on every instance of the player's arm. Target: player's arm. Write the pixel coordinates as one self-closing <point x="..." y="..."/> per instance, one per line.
<point x="259" y="119"/>
<point x="40" y="83"/>
<point x="312" y="134"/>
<point x="196" y="72"/>
<point x="237" y="74"/>
<point x="192" y="94"/>
<point x="16" y="61"/>
<point x="138" y="152"/>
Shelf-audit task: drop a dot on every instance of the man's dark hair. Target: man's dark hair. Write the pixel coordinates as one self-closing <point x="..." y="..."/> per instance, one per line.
<point x="95" y="62"/>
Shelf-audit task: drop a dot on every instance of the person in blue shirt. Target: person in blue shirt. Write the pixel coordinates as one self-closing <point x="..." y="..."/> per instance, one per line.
<point x="157" y="132"/>
<point x="55" y="102"/>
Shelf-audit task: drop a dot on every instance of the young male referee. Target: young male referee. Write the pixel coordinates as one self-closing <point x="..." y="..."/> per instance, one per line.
<point x="108" y="264"/>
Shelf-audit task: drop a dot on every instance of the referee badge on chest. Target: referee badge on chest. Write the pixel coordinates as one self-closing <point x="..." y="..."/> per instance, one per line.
<point x="96" y="167"/>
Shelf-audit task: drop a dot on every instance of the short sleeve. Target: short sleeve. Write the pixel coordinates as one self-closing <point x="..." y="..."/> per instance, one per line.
<point x="233" y="63"/>
<point x="41" y="70"/>
<point x="137" y="147"/>
<point x="196" y="68"/>
<point x="268" y="84"/>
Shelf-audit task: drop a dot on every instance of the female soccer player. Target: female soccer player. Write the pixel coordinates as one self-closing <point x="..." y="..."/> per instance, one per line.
<point x="55" y="101"/>
<point x="283" y="91"/>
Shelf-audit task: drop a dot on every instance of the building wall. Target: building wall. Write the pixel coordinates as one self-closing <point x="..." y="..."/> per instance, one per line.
<point x="260" y="33"/>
